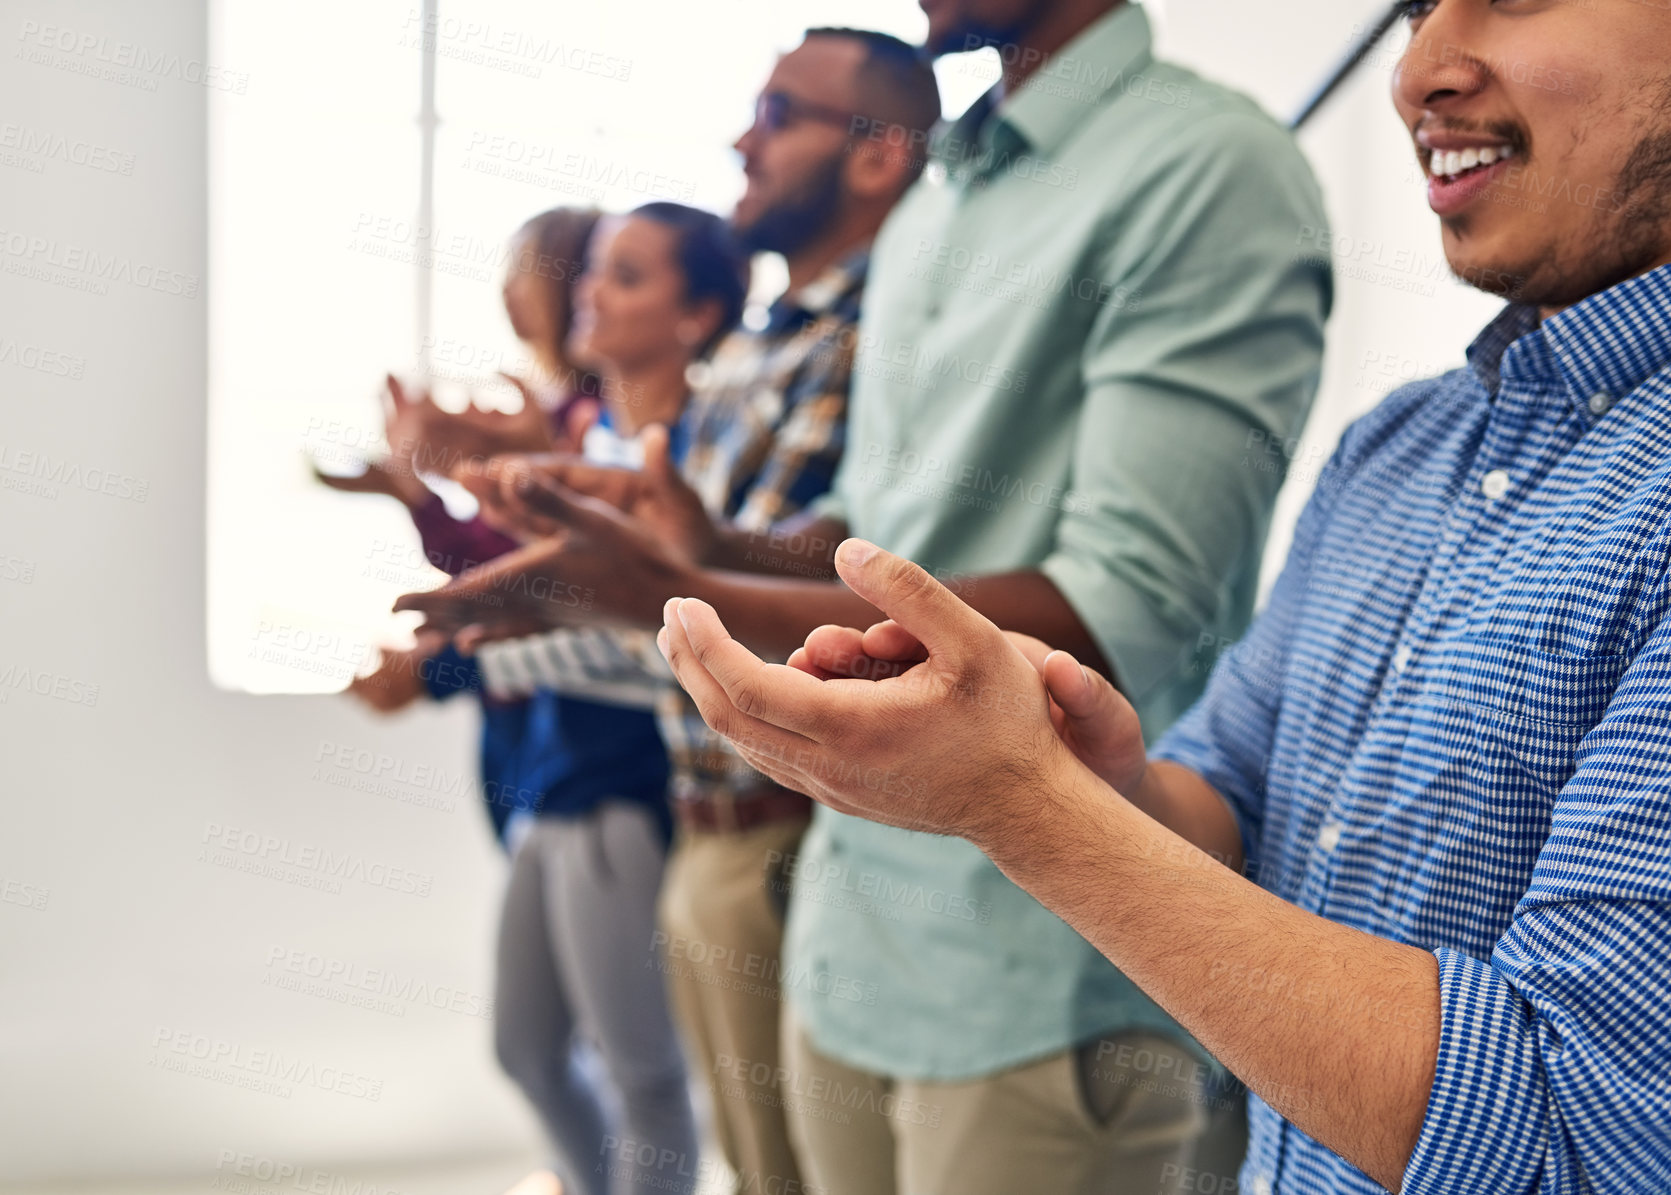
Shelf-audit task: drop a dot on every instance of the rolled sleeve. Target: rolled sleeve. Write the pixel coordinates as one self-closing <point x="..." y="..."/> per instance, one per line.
<point x="1214" y="348"/>
<point x="1226" y="737"/>
<point x="1554" y="1065"/>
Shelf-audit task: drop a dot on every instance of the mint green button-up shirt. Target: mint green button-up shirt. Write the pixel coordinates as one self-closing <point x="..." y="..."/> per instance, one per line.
<point x="1085" y="328"/>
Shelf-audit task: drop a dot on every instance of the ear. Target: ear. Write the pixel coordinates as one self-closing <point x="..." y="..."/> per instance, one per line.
<point x="706" y="315"/>
<point x="881" y="167"/>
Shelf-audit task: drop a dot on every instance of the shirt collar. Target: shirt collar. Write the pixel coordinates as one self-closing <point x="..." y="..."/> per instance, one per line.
<point x="1055" y="100"/>
<point x="1610" y="343"/>
<point x="1485" y="355"/>
<point x="838" y="280"/>
<point x="1598" y="350"/>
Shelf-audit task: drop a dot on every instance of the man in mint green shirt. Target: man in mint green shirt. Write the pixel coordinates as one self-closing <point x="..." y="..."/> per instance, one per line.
<point x="1084" y="327"/>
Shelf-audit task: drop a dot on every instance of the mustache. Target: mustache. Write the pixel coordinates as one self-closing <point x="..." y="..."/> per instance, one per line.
<point x="1503" y="130"/>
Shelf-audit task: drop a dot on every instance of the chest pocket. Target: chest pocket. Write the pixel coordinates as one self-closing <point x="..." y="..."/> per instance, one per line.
<point x="1529" y="709"/>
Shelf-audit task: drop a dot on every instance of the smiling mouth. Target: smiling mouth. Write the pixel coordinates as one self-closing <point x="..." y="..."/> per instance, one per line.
<point x="1450" y="165"/>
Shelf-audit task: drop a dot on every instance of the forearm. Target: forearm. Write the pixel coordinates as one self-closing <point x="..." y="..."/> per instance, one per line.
<point x="1336" y="1029"/>
<point x="774" y="615"/>
<point x="1192" y="809"/>
<point x="802" y="546"/>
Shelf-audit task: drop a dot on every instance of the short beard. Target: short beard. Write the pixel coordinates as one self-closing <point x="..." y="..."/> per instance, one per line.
<point x="968" y="38"/>
<point x="796" y="222"/>
<point x="1638" y="238"/>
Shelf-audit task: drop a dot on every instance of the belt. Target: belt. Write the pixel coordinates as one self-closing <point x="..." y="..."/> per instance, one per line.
<point x="736" y="813"/>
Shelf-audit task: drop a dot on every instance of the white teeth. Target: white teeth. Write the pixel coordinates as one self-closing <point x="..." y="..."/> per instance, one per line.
<point x="1450" y="163"/>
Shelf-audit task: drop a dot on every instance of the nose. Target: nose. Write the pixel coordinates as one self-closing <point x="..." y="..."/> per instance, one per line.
<point x="744" y="144"/>
<point x="1440" y="67"/>
<point x="585" y="292"/>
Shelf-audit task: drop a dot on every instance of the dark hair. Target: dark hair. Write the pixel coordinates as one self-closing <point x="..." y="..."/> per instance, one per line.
<point x="714" y="265"/>
<point x="558" y="241"/>
<point x="895" y="84"/>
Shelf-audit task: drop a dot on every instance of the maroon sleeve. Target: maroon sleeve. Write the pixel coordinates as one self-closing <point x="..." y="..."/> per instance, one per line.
<point x="454" y="545"/>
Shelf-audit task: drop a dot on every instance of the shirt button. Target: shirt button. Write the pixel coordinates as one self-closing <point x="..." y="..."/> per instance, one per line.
<point x="1600" y="403"/>
<point x="1261" y="1186"/>
<point x="1329" y="836"/>
<point x="1401" y="657"/>
<point x="1495" y="484"/>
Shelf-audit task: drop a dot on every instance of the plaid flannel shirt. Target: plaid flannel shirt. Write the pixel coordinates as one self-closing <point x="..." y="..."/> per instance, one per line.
<point x="764" y="433"/>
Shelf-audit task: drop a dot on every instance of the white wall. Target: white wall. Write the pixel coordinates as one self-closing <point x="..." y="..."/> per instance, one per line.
<point x="104" y="806"/>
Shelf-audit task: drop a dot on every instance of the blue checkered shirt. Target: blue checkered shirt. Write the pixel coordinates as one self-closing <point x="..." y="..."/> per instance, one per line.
<point x="1452" y="727"/>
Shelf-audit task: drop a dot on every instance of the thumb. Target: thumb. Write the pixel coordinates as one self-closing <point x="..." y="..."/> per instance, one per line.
<point x="1096" y="716"/>
<point x="522" y="388"/>
<point x="554" y="500"/>
<point x="950" y="630"/>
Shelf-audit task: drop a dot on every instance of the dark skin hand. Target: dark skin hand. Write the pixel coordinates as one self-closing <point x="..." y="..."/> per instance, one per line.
<point x="608" y="567"/>
<point x="423" y="438"/>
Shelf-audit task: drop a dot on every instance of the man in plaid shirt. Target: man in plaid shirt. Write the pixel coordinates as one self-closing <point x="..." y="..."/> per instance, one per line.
<point x="760" y="438"/>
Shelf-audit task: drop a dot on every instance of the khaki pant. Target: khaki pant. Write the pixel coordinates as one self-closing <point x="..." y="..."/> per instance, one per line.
<point x="722" y="902"/>
<point x="1117" y="1117"/>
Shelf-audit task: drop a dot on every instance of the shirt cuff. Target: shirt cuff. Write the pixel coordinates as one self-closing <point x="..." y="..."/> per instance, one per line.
<point x="1487" y="1125"/>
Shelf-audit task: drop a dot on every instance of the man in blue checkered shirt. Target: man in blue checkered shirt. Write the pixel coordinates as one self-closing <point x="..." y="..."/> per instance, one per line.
<point x="1406" y="867"/>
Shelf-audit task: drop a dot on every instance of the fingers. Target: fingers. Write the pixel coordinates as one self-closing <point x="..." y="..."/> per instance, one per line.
<point x="396" y="391"/>
<point x="771" y="693"/>
<point x="362" y="483"/>
<point x="589" y="516"/>
<point x="889" y="641"/>
<point x="711" y="698"/>
<point x="950" y="630"/>
<point x="522" y="388"/>
<point x="799" y="659"/>
<point x="471" y="638"/>
<point x="842" y="651"/>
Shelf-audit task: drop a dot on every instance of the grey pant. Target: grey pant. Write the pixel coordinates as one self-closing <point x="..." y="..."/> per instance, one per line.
<point x="577" y="959"/>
